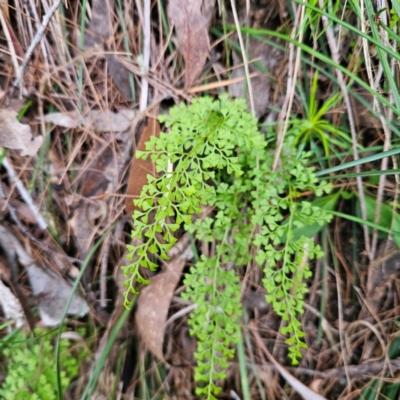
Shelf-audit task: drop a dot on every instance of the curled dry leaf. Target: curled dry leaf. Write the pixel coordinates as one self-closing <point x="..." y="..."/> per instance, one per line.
<point x="155" y="299"/>
<point x="99" y="120"/>
<point x="17" y="136"/>
<point x="192" y="24"/>
<point x="142" y="130"/>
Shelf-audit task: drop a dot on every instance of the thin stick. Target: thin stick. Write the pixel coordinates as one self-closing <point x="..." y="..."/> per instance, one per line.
<point x="36" y="40"/>
<point x="145" y="19"/>
<point x="244" y="55"/>
<point x="215" y="85"/>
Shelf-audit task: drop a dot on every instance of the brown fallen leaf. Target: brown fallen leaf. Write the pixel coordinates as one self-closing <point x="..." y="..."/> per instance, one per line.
<point x="99" y="120"/>
<point x="99" y="32"/>
<point x="143" y="130"/>
<point x="17" y="136"/>
<point x="50" y="291"/>
<point x="269" y="58"/>
<point x="154" y="301"/>
<point x="192" y="24"/>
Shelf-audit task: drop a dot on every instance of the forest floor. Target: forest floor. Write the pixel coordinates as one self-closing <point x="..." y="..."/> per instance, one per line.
<point x="80" y="96"/>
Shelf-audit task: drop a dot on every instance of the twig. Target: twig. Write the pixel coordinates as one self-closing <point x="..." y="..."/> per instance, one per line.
<point x="36" y="40"/>
<point x="145" y="19"/>
<point x="244" y="55"/>
<point x="353" y="371"/>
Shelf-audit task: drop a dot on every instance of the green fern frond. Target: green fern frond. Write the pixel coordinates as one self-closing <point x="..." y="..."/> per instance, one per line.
<point x="282" y="254"/>
<point x="215" y="321"/>
<point x="203" y="138"/>
<point x="219" y="159"/>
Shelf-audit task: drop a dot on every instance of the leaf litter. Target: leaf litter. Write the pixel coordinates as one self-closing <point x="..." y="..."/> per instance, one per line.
<point x="154" y="301"/>
<point x="142" y="130"/>
<point x="17" y="136"/>
<point x="192" y="19"/>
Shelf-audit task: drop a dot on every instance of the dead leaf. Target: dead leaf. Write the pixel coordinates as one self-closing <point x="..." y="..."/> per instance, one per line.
<point x="17" y="136"/>
<point x="99" y="120"/>
<point x="143" y="129"/>
<point x="23" y="211"/>
<point x="155" y="299"/>
<point x="98" y="34"/>
<point x="192" y="26"/>
<point x="11" y="306"/>
<point x="99" y="27"/>
<point x="119" y="75"/>
<point x="269" y="58"/>
<point x="85" y="223"/>
<point x="51" y="292"/>
<point x="208" y="10"/>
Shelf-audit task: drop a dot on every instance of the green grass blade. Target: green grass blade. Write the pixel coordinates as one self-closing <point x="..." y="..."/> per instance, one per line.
<point x="364" y="160"/>
<point x="364" y="174"/>
<point x="87" y="394"/>
<point x="73" y="290"/>
<point x="243" y="369"/>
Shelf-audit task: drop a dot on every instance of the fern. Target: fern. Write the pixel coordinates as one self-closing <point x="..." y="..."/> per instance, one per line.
<point x="203" y="138"/>
<point x="274" y="196"/>
<point x="255" y="209"/>
<point x="30" y="368"/>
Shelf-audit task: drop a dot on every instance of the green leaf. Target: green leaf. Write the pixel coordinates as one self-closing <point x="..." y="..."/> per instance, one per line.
<point x="389" y="219"/>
